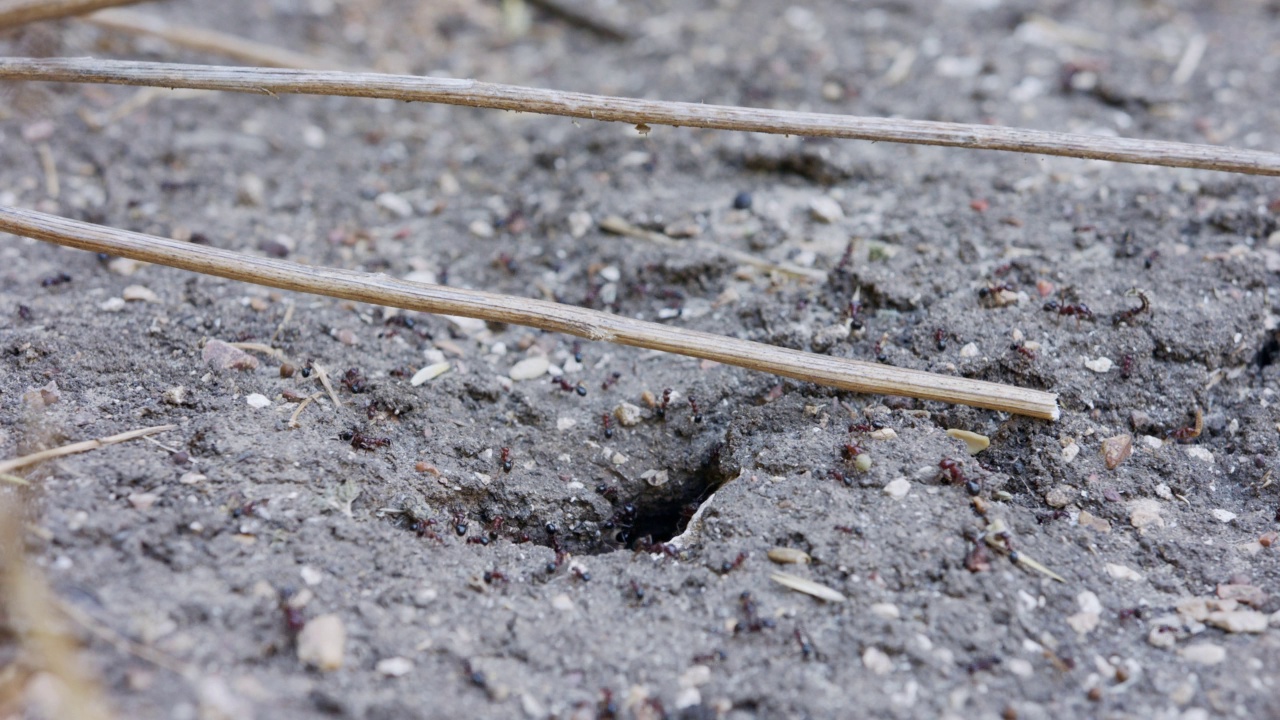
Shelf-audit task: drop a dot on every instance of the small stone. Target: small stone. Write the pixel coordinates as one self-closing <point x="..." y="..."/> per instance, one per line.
<point x="696" y="676"/>
<point x="742" y="201"/>
<point x="1200" y="454"/>
<point x="1122" y="572"/>
<point x="564" y="423"/>
<point x="888" y="611"/>
<point x="883" y="434"/>
<point x="898" y="489"/>
<point x="139" y="293"/>
<point x="1058" y="497"/>
<point x="1116" y="450"/>
<point x="1243" y="593"/>
<point x="1083" y="622"/>
<point x="1152" y="442"/>
<point x="579" y="223"/>
<point x="618" y="459"/>
<point x="1144" y="514"/>
<point x="481" y="229"/>
<point x="789" y="556"/>
<point x="529" y="368"/>
<point x="876" y="661"/>
<point x="1020" y="667"/>
<point x="688" y="697"/>
<point x="251" y="190"/>
<point x="1097" y="524"/>
<point x="223" y="356"/>
<point x="1224" y="516"/>
<point x="143" y="501"/>
<point x="176" y="395"/>
<point x="1164" y="492"/>
<point x="611" y="273"/>
<point x="562" y="602"/>
<point x="1100" y="365"/>
<point x="1239" y="621"/>
<point x="627" y="414"/>
<point x="394" y="204"/>
<point x="1204" y="653"/>
<point x="123" y="266"/>
<point x="429" y="372"/>
<point x="42" y="397"/>
<point x="112" y="305"/>
<point x="322" y="643"/>
<point x="257" y="400"/>
<point x="394" y="666"/>
<point x="969" y="350"/>
<point x="655" y="478"/>
<point x="1070" y="452"/>
<point x="310" y="575"/>
<point x="825" y="209"/>
<point x="346" y="336"/>
<point x="192" y="478"/>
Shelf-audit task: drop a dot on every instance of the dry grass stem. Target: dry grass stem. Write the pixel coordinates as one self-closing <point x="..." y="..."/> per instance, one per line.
<point x="580" y="17"/>
<point x="591" y="324"/>
<point x="79" y="447"/>
<point x="474" y="93"/>
<point x="20" y="12"/>
<point x="321" y="374"/>
<point x="293" y="419"/>
<point x="205" y="40"/>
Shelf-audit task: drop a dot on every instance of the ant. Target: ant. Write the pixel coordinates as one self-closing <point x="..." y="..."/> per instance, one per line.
<point x="606" y="491"/>
<point x="249" y="508"/>
<point x="637" y="590"/>
<point x="693" y="405"/>
<point x="354" y="381"/>
<point x="609" y="381"/>
<point x="729" y="566"/>
<point x="478" y="540"/>
<point x="806" y="644"/>
<point x="54" y="280"/>
<point x="460" y="524"/>
<point x="666" y="400"/>
<point x="581" y="574"/>
<point x="569" y="387"/>
<point x="855" y="309"/>
<point x="422" y="526"/>
<point x="493" y="576"/>
<point x="360" y="441"/>
<point x="294" y="617"/>
<point x="751" y="615"/>
<point x="1080" y="311"/>
<point x="577" y="351"/>
<point x="708" y="658"/>
<point x="991" y="293"/>
<point x="506" y="460"/>
<point x="940" y="338"/>
<point x="1189" y="433"/>
<point x="607" y="422"/>
<point x="1023" y="350"/>
<point x="1125" y="316"/>
<point x="839" y="475"/>
<point x="1126" y="366"/>
<point x="852" y="451"/>
<point x="952" y="475"/>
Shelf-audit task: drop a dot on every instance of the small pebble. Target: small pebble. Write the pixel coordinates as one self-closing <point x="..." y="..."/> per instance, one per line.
<point x="139" y="293"/>
<point x="1116" y="450"/>
<point x="825" y="209"/>
<point x="883" y="434"/>
<point x="1221" y="515"/>
<point x="655" y="478"/>
<point x="176" y="395"/>
<point x="1200" y="454"/>
<point x="562" y="602"/>
<point x="876" y="661"/>
<point x="394" y="204"/>
<point x="322" y="643"/>
<point x="251" y="190"/>
<point x="969" y="350"/>
<point x="257" y="400"/>
<point x="897" y="489"/>
<point x="114" y="304"/>
<point x="1100" y="365"/>
<point x="1057" y="498"/>
<point x="143" y="501"/>
<point x="742" y="201"/>
<point x="1239" y="621"/>
<point x="888" y="611"/>
<point x="1204" y="653"/>
<point x="1145" y="513"/>
<point x="1122" y="572"/>
<point x="627" y="414"/>
<point x="481" y="229"/>
<point x="310" y="575"/>
<point x="223" y="356"/>
<point x="579" y="223"/>
<point x="1070" y="452"/>
<point x="394" y="666"/>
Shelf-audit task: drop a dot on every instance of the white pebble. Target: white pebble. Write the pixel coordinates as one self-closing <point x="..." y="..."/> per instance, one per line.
<point x="1100" y="365"/>
<point x="627" y="414"/>
<point x="139" y="293"/>
<point x="825" y="209"/>
<point x="898" y="489"/>
<point x="322" y="642"/>
<point x="611" y="273"/>
<point x="257" y="400"/>
<point x="394" y="204"/>
<point x="310" y="575"/>
<point x="1070" y="452"/>
<point x="1123" y="572"/>
<point x="114" y="304"/>
<point x="394" y="666"/>
<point x="875" y="660"/>
<point x="1204" y="654"/>
<point x="1200" y="453"/>
<point x="969" y="350"/>
<point x="1221" y="515"/>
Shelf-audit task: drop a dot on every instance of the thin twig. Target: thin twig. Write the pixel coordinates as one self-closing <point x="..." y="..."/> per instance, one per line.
<point x="584" y="19"/>
<point x="322" y="374"/>
<point x="594" y="325"/>
<point x="20" y="12"/>
<point x="205" y="40"/>
<point x="619" y="226"/>
<point x="79" y="447"/>
<point x="293" y="419"/>
<point x="640" y="112"/>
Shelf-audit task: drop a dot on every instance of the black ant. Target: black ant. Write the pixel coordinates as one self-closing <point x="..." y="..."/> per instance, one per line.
<point x="839" y="475"/>
<point x="662" y="407"/>
<point x="577" y="351"/>
<point x="693" y="405"/>
<point x="1023" y="350"/>
<point x="478" y="540"/>
<point x="851" y="451"/>
<point x="506" y="460"/>
<point x="354" y="381"/>
<point x="609" y="381"/>
<point x="608" y="492"/>
<point x="855" y="309"/>
<point x="751" y="615"/>
<point x="607" y="422"/>
<point x="54" y="280"/>
<point x="1126" y="366"/>
<point x="731" y="565"/>
<point x="460" y="524"/>
<point x="494" y="576"/>
<point x="294" y="617"/>
<point x="940" y="338"/>
<point x="569" y="387"/>
<point x="249" y="508"/>
<point x="581" y="574"/>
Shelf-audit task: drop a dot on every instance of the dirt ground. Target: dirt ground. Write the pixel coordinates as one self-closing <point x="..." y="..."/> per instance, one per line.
<point x="490" y="547"/>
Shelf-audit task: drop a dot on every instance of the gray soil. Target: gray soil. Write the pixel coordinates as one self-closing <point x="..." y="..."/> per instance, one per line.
<point x="575" y="584"/>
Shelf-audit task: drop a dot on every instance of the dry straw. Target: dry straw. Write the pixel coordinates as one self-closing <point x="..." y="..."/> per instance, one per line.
<point x="591" y="324"/>
<point x="643" y="113"/>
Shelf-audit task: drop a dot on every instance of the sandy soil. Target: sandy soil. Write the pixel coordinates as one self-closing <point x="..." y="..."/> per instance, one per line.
<point x="555" y="588"/>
